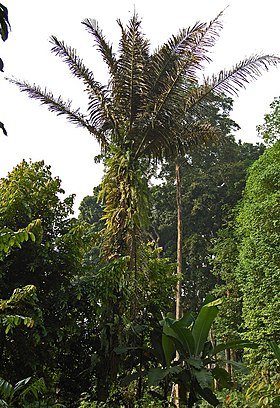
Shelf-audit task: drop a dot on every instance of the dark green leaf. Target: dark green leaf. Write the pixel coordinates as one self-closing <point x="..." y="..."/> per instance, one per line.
<point x="203" y="324"/>
<point x="131" y="377"/>
<point x="156" y="375"/>
<point x="203" y="376"/>
<point x="276" y="349"/>
<point x="222" y="376"/>
<point x="208" y="395"/>
<point x="234" y="345"/>
<point x="168" y="349"/>
<point x="239" y="366"/>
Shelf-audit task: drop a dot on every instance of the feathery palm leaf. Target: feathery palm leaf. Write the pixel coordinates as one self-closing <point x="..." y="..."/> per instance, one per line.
<point x="99" y="100"/>
<point x="103" y="46"/>
<point x="60" y="107"/>
<point x="186" y="54"/>
<point x="130" y="84"/>
<point x="172" y="73"/>
<point x="230" y="81"/>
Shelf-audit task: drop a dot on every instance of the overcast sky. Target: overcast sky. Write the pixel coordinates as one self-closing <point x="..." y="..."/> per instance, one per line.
<point x="34" y="133"/>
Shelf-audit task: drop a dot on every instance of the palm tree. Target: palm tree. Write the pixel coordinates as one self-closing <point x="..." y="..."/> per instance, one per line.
<point x="150" y="109"/>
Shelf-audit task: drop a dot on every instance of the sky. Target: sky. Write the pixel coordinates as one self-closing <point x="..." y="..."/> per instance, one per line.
<point x="34" y="133"/>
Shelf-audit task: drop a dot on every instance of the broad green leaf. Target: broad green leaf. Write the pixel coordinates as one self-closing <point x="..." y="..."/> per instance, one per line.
<point x="168" y="349"/>
<point x="202" y="325"/>
<point x="156" y="375"/>
<point x="234" y="345"/>
<point x="185" y="337"/>
<point x="195" y="362"/>
<point x="186" y="320"/>
<point x="239" y="366"/>
<point x="222" y="376"/>
<point x="173" y="336"/>
<point x="6" y="389"/>
<point x="203" y="376"/>
<point x="208" y="395"/>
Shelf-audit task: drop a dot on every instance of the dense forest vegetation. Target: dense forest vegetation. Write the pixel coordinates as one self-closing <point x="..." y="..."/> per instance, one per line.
<point x="163" y="289"/>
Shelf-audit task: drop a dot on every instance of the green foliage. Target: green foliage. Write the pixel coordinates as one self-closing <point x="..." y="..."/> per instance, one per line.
<point x="50" y="263"/>
<point x="10" y="238"/>
<point x="125" y="196"/>
<point x="270" y="129"/>
<point x="119" y="328"/>
<point x="4" y="23"/>
<point x="258" y="269"/>
<point x="20" y="296"/>
<point x="23" y="393"/>
<point x="150" y="109"/>
<point x="199" y="362"/>
<point x="8" y="392"/>
<point x="189" y="357"/>
<point x="263" y="394"/>
<point x="212" y="182"/>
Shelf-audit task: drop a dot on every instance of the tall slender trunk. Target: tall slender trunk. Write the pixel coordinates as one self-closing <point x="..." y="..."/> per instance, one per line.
<point x="179" y="239"/>
<point x="179" y="261"/>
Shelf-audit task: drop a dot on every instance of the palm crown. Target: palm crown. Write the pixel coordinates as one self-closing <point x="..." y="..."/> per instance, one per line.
<point x="152" y="107"/>
<point x="147" y="92"/>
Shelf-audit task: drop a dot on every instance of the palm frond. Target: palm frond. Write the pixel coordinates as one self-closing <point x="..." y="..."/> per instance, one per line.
<point x="99" y="105"/>
<point x="231" y="81"/>
<point x="130" y="83"/>
<point x="103" y="46"/>
<point x="75" y="63"/>
<point x="197" y="134"/>
<point x="181" y="58"/>
<point x="60" y="107"/>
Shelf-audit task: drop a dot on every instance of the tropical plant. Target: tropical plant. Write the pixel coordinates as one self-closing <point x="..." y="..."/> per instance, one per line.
<point x="270" y="129"/>
<point x="212" y="182"/>
<point x="22" y="394"/>
<point x="188" y="356"/>
<point x="19" y="298"/>
<point x="257" y="271"/>
<point x="10" y="239"/>
<point x="49" y="264"/>
<point x="149" y="110"/>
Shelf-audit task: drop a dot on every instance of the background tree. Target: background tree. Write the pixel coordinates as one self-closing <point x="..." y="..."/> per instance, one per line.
<point x="30" y="192"/>
<point x="212" y="184"/>
<point x="258" y="268"/>
<point x="270" y="129"/>
<point x="247" y="261"/>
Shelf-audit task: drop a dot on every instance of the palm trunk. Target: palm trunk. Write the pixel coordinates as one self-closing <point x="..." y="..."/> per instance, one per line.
<point x="179" y="240"/>
<point x="179" y="261"/>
